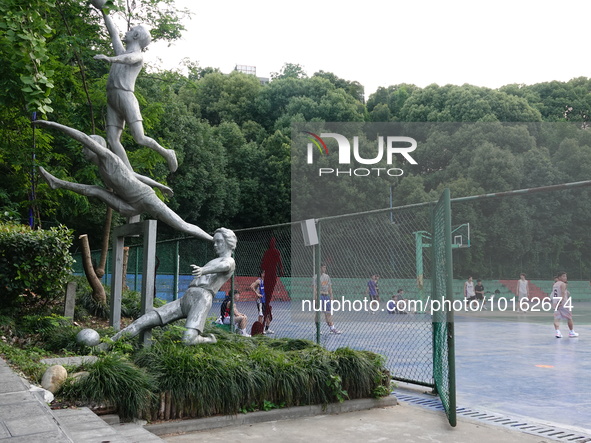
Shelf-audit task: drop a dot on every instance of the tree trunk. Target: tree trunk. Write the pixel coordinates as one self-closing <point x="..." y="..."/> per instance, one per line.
<point x="100" y="271"/>
<point x="98" y="291"/>
<point x="125" y="261"/>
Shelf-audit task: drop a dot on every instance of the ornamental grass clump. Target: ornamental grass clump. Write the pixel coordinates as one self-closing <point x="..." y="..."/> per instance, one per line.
<point x="53" y="332"/>
<point x="238" y="374"/>
<point x="199" y="381"/>
<point x="114" y="381"/>
<point x="281" y="375"/>
<point x="170" y="380"/>
<point x="350" y="364"/>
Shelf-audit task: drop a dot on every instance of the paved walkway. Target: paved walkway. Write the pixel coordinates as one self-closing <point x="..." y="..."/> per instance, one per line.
<point x="23" y="417"/>
<point x="26" y="418"/>
<point x="402" y="423"/>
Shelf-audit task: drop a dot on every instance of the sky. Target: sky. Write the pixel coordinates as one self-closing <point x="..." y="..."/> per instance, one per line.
<point x="383" y="43"/>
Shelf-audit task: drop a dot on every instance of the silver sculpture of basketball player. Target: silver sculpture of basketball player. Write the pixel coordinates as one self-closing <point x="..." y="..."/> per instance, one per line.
<point x="132" y="193"/>
<point x="122" y="105"/>
<point x="195" y="304"/>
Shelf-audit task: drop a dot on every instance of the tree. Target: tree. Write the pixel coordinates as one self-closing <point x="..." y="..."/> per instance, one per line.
<point x="205" y="194"/>
<point x="289" y="70"/>
<point x="353" y="88"/>
<point x="227" y="97"/>
<point x="314" y="98"/>
<point x="451" y="103"/>
<point x="558" y="101"/>
<point x="385" y="104"/>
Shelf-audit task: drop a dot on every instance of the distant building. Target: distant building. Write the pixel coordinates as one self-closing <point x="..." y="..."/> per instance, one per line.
<point x="251" y="70"/>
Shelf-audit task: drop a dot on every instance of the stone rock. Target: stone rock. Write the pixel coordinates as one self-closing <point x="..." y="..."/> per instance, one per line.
<point x="43" y="394"/>
<point x="78" y="375"/>
<point x="70" y="361"/>
<point x="53" y="378"/>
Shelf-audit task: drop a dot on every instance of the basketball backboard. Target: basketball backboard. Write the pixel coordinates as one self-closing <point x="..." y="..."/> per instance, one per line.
<point x="460" y="236"/>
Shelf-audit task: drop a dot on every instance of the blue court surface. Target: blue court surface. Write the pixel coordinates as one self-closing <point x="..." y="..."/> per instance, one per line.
<point x="522" y="368"/>
<point x="510" y="364"/>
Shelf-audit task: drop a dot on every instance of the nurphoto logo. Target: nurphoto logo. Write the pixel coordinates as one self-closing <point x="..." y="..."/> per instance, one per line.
<point x="387" y="146"/>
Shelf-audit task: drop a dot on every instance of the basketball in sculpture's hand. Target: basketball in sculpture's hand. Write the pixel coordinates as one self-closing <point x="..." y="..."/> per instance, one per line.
<point x="88" y="337"/>
<point x="99" y="4"/>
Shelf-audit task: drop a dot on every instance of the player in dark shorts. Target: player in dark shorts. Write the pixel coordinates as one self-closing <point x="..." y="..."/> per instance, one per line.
<point x="258" y="286"/>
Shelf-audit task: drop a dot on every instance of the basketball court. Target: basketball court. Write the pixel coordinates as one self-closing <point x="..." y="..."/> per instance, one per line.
<point x="513" y="366"/>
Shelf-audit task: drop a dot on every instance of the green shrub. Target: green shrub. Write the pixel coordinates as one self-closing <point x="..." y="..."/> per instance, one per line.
<point x="34" y="265"/>
<point x="131" y="303"/>
<point x="351" y="363"/>
<point x="52" y="333"/>
<point x="58" y="334"/>
<point x="199" y="383"/>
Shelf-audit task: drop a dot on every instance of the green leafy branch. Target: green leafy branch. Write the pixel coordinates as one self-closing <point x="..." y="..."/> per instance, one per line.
<point x="24" y="29"/>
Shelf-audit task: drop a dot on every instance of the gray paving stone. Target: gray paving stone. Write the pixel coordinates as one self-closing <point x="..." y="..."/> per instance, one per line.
<point x="84" y="426"/>
<point x="15" y="397"/>
<point x="23" y="417"/>
<point x="52" y="437"/>
<point x="29" y="410"/>
<point x="76" y="418"/>
<point x="3" y="431"/>
<point x="30" y="425"/>
<point x="95" y="436"/>
<point x="136" y="433"/>
<point x="13" y="384"/>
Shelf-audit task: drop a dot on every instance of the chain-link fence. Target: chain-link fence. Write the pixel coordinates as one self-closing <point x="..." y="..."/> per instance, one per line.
<point x="354" y="248"/>
<point x="443" y="318"/>
<point x="381" y="243"/>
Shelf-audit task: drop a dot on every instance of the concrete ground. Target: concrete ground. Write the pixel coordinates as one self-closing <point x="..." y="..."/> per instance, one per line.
<point x="403" y="423"/>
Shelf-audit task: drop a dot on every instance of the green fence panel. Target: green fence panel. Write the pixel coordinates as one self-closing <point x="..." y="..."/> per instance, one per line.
<point x="443" y="316"/>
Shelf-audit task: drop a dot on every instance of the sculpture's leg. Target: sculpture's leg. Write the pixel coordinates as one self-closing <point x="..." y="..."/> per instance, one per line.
<point x="199" y="302"/>
<point x="52" y="181"/>
<point x="113" y="139"/>
<point x="88" y="190"/>
<point x="146" y="321"/>
<point x="137" y="131"/>
<point x="192" y="337"/>
<point x="158" y="209"/>
<point x="107" y="197"/>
